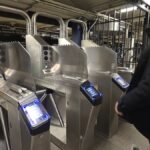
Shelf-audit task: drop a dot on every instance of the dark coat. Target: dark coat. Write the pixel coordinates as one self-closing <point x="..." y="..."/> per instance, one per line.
<point x="135" y="104"/>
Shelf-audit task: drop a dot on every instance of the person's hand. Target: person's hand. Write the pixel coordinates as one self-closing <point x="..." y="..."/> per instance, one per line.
<point x="116" y="110"/>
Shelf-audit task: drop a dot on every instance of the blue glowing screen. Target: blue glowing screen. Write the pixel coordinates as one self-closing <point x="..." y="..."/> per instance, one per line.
<point x="35" y="113"/>
<point x="122" y="81"/>
<point x="92" y="91"/>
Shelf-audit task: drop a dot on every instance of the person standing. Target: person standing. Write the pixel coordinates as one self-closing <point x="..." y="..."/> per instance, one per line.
<point x="134" y="106"/>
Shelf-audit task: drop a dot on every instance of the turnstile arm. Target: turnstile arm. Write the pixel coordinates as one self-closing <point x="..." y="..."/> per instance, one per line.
<point x="54" y="105"/>
<point x="57" y="110"/>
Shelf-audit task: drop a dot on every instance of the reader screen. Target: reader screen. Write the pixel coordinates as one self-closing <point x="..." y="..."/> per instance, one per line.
<point x="121" y="81"/>
<point x="92" y="91"/>
<point x="35" y="114"/>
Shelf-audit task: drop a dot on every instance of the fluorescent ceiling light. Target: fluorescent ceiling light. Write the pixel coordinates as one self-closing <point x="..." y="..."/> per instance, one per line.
<point x="147" y="1"/>
<point x="128" y="9"/>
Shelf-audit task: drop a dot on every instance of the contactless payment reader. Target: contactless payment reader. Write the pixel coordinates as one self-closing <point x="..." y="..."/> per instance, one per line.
<point x="28" y="120"/>
<point x="120" y="82"/>
<point x="95" y="98"/>
<point x="92" y="94"/>
<point x="35" y="115"/>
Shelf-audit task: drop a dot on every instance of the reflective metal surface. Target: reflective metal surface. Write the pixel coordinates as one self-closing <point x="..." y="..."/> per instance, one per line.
<point x="15" y="63"/>
<point x="101" y="62"/>
<point x="68" y="60"/>
<point x="84" y="27"/>
<point x="40" y="62"/>
<point x="21" y="13"/>
<point x="126" y="73"/>
<point x="61" y="22"/>
<point x="73" y="61"/>
<point x="78" y="115"/>
<point x="19" y="135"/>
<point x="63" y="79"/>
<point x="100" y="59"/>
<point x="65" y="82"/>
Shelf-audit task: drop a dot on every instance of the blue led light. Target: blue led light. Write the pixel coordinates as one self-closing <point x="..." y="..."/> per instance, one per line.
<point x="35" y="113"/>
<point x="91" y="91"/>
<point x="121" y="81"/>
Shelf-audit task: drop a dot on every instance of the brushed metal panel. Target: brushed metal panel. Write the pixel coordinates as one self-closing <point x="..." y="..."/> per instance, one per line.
<point x="17" y="64"/>
<point x="101" y="62"/>
<point x="19" y="135"/>
<point x="73" y="61"/>
<point x="68" y="60"/>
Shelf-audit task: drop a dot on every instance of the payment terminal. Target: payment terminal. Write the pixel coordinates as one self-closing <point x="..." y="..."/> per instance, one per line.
<point x="28" y="120"/>
<point x="35" y="116"/>
<point x="120" y="82"/>
<point x="91" y="93"/>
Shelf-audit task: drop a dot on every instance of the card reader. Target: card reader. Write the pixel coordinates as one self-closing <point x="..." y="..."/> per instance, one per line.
<point x="35" y="115"/>
<point x="120" y="82"/>
<point x="91" y="93"/>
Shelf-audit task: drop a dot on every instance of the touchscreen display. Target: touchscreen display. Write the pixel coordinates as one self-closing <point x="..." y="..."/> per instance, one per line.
<point x="92" y="92"/>
<point x="121" y="81"/>
<point x="35" y="113"/>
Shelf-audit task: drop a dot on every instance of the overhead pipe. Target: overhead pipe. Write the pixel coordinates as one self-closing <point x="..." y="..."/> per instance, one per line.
<point x="60" y="20"/>
<point x="82" y="23"/>
<point x="21" y="13"/>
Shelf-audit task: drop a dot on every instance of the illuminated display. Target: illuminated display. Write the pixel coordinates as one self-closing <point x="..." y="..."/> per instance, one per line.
<point x="35" y="113"/>
<point x="92" y="91"/>
<point x="121" y="81"/>
<point x="94" y="96"/>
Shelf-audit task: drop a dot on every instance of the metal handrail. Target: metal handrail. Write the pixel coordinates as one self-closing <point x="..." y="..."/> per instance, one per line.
<point x="84" y="26"/>
<point x="21" y="13"/>
<point x="60" y="20"/>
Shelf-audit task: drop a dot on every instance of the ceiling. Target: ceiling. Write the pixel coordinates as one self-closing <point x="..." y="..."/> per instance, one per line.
<point x="94" y="5"/>
<point x="64" y="8"/>
<point x="50" y="6"/>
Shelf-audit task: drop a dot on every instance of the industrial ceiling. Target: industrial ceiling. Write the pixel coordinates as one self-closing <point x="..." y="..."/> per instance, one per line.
<point x="64" y="8"/>
<point x="93" y="5"/>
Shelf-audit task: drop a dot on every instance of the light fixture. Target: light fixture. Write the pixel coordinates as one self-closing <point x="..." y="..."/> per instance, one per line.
<point x="147" y="2"/>
<point x="128" y="9"/>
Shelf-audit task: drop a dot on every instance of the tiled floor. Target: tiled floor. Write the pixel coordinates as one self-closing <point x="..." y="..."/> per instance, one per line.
<point x="123" y="140"/>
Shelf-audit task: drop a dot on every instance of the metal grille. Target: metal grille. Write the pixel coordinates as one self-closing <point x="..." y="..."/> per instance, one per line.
<point x="122" y="30"/>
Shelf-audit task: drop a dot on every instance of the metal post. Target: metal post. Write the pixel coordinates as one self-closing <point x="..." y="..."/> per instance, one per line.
<point x="60" y="20"/>
<point x="40" y="92"/>
<point x="108" y="30"/>
<point x="43" y="97"/>
<point x="113" y="33"/>
<point x="21" y="13"/>
<point x="4" y="128"/>
<point x="82" y="23"/>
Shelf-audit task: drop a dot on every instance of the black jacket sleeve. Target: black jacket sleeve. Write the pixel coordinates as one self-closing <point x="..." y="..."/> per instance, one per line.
<point x="139" y="97"/>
